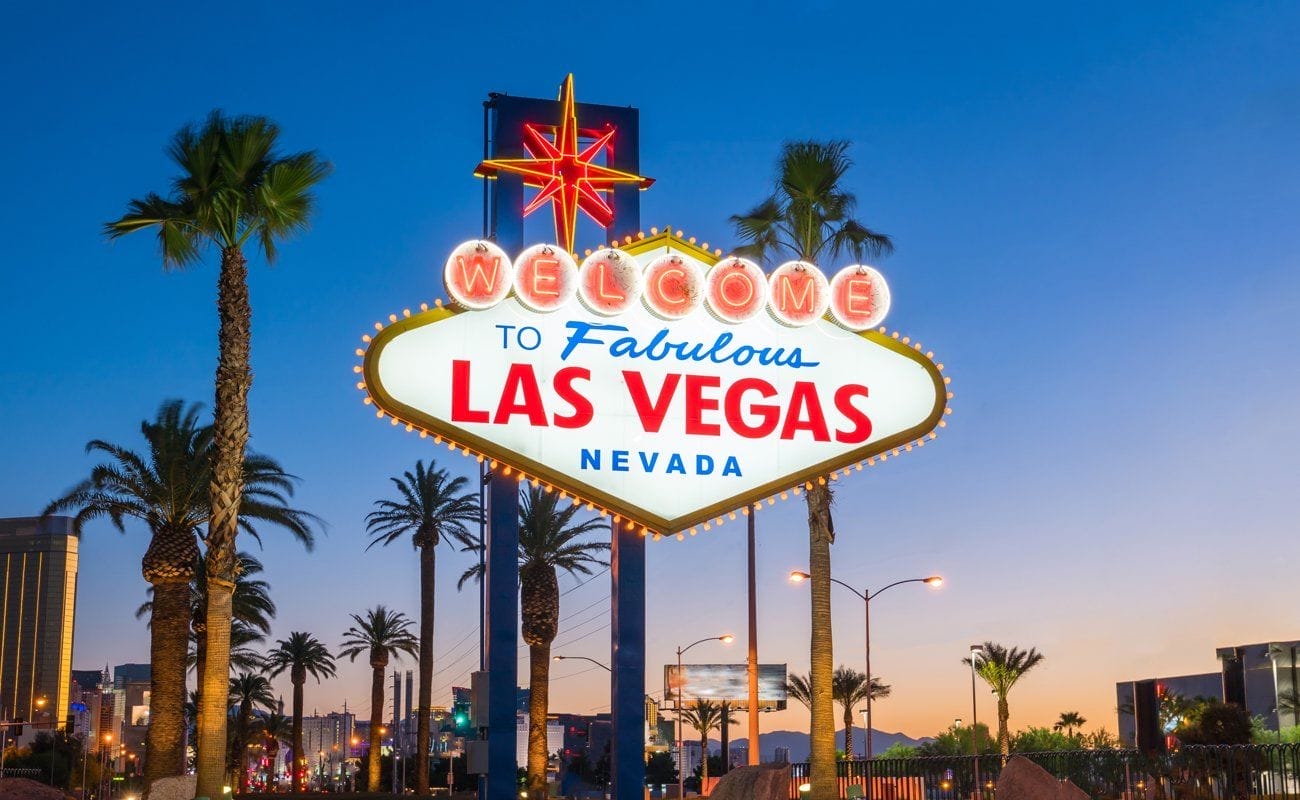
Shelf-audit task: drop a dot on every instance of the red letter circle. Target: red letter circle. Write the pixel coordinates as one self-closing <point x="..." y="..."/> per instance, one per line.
<point x="736" y="289"/>
<point x="546" y="277"/>
<point x="673" y="286"/>
<point x="609" y="281"/>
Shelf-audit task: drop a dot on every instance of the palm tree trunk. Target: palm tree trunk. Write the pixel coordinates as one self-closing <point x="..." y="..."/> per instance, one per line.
<point x="704" y="763"/>
<point x="241" y="744"/>
<point x="376" y="722"/>
<point x="848" y="732"/>
<point x="230" y="438"/>
<point x="422" y="732"/>
<point x="539" y="682"/>
<point x="215" y="689"/>
<point x="297" y="756"/>
<point x="823" y="773"/>
<point x="1004" y="735"/>
<point x="169" y="625"/>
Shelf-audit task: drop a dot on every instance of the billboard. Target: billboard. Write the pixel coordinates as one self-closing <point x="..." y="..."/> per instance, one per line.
<point x="656" y="380"/>
<point x="726" y="682"/>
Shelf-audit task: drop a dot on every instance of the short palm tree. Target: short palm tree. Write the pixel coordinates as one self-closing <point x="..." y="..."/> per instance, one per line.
<point x="247" y="691"/>
<point x="276" y="728"/>
<point x="1068" y="721"/>
<point x="300" y="655"/>
<point x="382" y="635"/>
<point x="705" y="716"/>
<point x="233" y="190"/>
<point x="808" y="217"/>
<point x="1001" y="667"/>
<point x="850" y="688"/>
<point x="431" y="505"/>
<point x="799" y="687"/>
<point x="550" y="539"/>
<point x="166" y="489"/>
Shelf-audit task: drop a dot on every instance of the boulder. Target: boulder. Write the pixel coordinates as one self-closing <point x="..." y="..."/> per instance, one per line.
<point x="765" y="782"/>
<point x="179" y="787"/>
<point x="24" y="789"/>
<point x="1022" y="779"/>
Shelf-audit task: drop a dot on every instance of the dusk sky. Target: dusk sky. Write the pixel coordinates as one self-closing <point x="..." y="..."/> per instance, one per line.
<point x="1096" y="209"/>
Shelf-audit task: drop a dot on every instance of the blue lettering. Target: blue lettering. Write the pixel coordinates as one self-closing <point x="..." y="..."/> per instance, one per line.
<point x="720" y="351"/>
<point x="703" y="465"/>
<point x="619" y="459"/>
<point x="590" y="459"/>
<point x="675" y="464"/>
<point x="648" y="460"/>
<point x="732" y="467"/>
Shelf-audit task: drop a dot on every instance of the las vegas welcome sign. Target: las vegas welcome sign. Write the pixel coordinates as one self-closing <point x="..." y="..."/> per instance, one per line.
<point x="656" y="379"/>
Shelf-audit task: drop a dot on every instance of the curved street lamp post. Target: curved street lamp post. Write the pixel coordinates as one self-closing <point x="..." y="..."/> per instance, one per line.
<point x="681" y="756"/>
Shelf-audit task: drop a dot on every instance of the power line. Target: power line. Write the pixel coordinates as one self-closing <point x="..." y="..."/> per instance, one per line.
<point x="581" y="584"/>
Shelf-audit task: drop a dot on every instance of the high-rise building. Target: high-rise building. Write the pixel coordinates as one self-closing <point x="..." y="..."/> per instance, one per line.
<point x="38" y="558"/>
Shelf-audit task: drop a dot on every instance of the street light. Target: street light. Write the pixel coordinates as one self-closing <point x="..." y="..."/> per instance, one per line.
<point x="866" y="596"/>
<point x="975" y="652"/>
<point x="582" y="658"/>
<point x="726" y="638"/>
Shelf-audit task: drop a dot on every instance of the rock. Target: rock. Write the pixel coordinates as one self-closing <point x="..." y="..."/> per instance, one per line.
<point x="24" y="789"/>
<point x="765" y="782"/>
<point x="1022" y="779"/>
<point x="180" y="787"/>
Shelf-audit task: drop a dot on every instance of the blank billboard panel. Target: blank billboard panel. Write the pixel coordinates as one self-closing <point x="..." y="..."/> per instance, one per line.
<point x="729" y="682"/>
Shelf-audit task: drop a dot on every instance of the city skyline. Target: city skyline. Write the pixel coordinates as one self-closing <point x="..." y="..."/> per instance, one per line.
<point x="1093" y="234"/>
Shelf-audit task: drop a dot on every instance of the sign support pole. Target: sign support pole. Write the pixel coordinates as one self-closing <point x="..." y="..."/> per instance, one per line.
<point x="627" y="656"/>
<point x="502" y="613"/>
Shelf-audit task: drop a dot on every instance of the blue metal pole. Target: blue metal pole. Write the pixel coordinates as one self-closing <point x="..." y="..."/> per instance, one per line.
<point x="502" y="615"/>
<point x="627" y="689"/>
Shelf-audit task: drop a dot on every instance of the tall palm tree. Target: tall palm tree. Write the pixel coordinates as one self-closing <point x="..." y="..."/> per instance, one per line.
<point x="276" y="728"/>
<point x="431" y="505"/>
<point x="1001" y="667"/>
<point x="705" y="716"/>
<point x="300" y="655"/>
<point x="247" y="690"/>
<point x="850" y="688"/>
<point x="252" y="609"/>
<point x="809" y="216"/>
<point x="382" y="635"/>
<point x="166" y="489"/>
<point x="549" y="540"/>
<point x="1068" y="721"/>
<point x="233" y="190"/>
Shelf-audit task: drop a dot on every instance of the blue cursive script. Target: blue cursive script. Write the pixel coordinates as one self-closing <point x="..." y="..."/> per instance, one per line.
<point x="659" y="347"/>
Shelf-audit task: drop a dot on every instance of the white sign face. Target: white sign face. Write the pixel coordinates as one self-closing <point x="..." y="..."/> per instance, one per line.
<point x="666" y="422"/>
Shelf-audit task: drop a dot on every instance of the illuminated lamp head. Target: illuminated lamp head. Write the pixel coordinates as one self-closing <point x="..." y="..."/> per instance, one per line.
<point x="546" y="277"/>
<point x="859" y="297"/>
<point x="609" y="282"/>
<point x="478" y="275"/>
<point x="798" y="295"/>
<point x="674" y="286"/>
<point x="735" y="290"/>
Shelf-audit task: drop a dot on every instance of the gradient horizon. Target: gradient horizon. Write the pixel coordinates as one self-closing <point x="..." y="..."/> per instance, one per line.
<point x="1095" y="217"/>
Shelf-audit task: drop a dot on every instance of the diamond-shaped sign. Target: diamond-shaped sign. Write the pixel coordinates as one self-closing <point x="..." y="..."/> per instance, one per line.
<point x="666" y="422"/>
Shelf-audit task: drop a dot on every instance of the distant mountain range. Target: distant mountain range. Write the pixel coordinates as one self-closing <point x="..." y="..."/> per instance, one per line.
<point x="797" y="742"/>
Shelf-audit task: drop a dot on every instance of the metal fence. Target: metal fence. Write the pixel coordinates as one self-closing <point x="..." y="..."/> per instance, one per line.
<point x="1247" y="772"/>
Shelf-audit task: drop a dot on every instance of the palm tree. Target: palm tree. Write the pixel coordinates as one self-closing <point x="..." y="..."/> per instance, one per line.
<point x="246" y="691"/>
<point x="234" y="190"/>
<point x="300" y="655"/>
<point x="1068" y="721"/>
<point x="252" y="609"/>
<point x="850" y="687"/>
<point x="276" y="728"/>
<point x="431" y="505"/>
<point x="166" y="489"/>
<point x="549" y="540"/>
<point x="800" y="688"/>
<point x="1001" y="667"/>
<point x="705" y="716"/>
<point x="381" y="634"/>
<point x="807" y="217"/>
<point x="1288" y="701"/>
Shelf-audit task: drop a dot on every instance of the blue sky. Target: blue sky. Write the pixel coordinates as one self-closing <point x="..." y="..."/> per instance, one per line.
<point x="1095" y="215"/>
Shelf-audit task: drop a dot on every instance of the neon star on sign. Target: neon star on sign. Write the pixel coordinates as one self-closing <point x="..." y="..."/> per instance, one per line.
<point x="568" y="178"/>
<point x="655" y="380"/>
